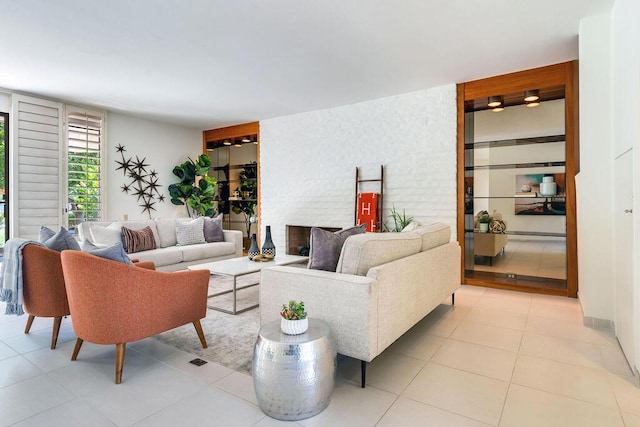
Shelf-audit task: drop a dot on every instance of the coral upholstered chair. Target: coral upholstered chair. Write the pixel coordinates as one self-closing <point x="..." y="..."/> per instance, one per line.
<point x="116" y="303"/>
<point x="43" y="290"/>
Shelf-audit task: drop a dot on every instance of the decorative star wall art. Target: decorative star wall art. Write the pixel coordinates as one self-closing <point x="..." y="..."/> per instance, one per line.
<point x="141" y="183"/>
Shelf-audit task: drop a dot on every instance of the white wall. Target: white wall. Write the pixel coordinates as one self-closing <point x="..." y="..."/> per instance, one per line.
<point x="164" y="146"/>
<point x="308" y="161"/>
<point x="594" y="183"/>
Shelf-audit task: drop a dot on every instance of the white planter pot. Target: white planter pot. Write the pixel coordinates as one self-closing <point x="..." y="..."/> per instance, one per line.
<point x="484" y="227"/>
<point x="294" y="327"/>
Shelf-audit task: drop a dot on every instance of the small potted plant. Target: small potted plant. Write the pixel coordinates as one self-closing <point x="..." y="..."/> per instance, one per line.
<point x="483" y="221"/>
<point x="294" y="319"/>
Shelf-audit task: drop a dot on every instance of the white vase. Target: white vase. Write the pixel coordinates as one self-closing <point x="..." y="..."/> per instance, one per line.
<point x="484" y="227"/>
<point x="548" y="186"/>
<point x="294" y="327"/>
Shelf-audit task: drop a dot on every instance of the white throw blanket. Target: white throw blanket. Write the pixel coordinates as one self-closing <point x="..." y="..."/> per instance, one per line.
<point x="11" y="275"/>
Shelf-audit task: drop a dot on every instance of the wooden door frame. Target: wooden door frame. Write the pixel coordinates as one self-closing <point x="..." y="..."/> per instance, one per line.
<point x="566" y="75"/>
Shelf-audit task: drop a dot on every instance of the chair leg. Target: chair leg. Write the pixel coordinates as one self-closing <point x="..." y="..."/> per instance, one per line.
<point x="76" y="349"/>
<point x="56" y="330"/>
<point x="453" y="298"/>
<point x="198" y="327"/>
<point x="120" y="350"/>
<point x="29" y="323"/>
<point x="363" y="371"/>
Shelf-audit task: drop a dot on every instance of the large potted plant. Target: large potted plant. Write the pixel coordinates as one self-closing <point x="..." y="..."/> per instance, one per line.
<point x="249" y="192"/>
<point x="196" y="190"/>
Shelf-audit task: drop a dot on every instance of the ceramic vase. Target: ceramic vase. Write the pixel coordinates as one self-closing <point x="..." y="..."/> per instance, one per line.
<point x="253" y="249"/>
<point x="268" y="248"/>
<point x="484" y="227"/>
<point x="294" y="327"/>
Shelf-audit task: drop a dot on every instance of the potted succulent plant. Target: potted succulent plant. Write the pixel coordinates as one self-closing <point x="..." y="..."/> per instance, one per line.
<point x="483" y="221"/>
<point x="294" y="318"/>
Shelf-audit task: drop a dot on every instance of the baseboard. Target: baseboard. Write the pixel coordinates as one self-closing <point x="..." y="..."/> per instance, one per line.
<point x="602" y="324"/>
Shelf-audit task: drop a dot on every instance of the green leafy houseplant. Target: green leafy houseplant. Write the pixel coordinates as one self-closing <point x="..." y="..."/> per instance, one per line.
<point x="484" y="218"/>
<point x="249" y="189"/>
<point x="399" y="221"/>
<point x="193" y="193"/>
<point x="293" y="311"/>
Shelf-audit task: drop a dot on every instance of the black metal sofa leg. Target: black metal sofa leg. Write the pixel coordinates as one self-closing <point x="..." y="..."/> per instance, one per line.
<point x="453" y="298"/>
<point x="363" y="371"/>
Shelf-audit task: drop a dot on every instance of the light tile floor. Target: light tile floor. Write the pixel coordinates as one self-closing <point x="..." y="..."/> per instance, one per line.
<point x="496" y="358"/>
<point x="540" y="258"/>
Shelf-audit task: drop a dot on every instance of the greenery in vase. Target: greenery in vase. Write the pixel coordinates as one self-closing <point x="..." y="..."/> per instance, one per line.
<point x="400" y="221"/>
<point x="293" y="311"/>
<point x="191" y="192"/>
<point x="249" y="189"/>
<point x="484" y="219"/>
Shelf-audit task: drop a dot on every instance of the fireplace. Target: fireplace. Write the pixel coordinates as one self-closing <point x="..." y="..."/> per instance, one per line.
<point x="298" y="238"/>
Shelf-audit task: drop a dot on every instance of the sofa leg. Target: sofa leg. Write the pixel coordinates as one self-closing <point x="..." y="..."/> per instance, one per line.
<point x="363" y="371"/>
<point x="453" y="298"/>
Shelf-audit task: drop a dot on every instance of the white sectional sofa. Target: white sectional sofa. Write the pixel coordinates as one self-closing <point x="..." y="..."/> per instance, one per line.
<point x="384" y="284"/>
<point x="167" y="256"/>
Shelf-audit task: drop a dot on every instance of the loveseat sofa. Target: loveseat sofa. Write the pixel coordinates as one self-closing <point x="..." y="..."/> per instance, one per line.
<point x="167" y="256"/>
<point x="384" y="284"/>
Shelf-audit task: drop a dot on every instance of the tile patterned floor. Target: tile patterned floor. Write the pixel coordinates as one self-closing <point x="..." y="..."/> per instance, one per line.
<point x="498" y="358"/>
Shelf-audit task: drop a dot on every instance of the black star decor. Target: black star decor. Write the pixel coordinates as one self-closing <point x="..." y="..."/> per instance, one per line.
<point x="142" y="184"/>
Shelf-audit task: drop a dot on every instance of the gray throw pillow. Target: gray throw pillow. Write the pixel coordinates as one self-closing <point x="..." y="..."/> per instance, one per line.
<point x="190" y="232"/>
<point x="213" y="229"/>
<point x="59" y="241"/>
<point x="114" y="252"/>
<point x="326" y="246"/>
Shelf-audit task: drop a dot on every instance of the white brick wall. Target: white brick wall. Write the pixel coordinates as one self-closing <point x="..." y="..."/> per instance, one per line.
<point x="308" y="161"/>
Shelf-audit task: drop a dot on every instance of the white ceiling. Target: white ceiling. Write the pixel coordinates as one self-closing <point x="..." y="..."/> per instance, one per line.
<point x="213" y="63"/>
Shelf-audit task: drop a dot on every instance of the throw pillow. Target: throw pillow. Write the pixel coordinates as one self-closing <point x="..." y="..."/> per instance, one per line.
<point x="106" y="235"/>
<point x="326" y="246"/>
<point x="58" y="241"/>
<point x="138" y="240"/>
<point x="190" y="232"/>
<point x="114" y="252"/>
<point x="213" y="229"/>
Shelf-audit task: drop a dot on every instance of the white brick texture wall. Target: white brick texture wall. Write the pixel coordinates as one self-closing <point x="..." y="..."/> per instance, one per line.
<point x="308" y="161"/>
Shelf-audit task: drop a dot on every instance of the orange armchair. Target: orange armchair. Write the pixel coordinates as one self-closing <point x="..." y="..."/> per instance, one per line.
<point x="43" y="291"/>
<point x="115" y="303"/>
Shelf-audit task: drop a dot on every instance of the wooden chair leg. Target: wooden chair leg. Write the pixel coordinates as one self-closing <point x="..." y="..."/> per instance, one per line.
<point x="76" y="349"/>
<point x="120" y="350"/>
<point x="29" y="323"/>
<point x="198" y="327"/>
<point x="56" y="330"/>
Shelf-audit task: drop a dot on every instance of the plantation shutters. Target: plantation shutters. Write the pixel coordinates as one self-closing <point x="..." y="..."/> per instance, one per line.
<point x="85" y="145"/>
<point x="35" y="165"/>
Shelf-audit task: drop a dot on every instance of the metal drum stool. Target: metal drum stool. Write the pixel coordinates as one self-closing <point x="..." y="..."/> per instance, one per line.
<point x="294" y="375"/>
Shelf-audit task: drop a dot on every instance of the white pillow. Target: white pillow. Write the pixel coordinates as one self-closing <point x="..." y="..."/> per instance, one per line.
<point x="190" y="232"/>
<point x="107" y="235"/>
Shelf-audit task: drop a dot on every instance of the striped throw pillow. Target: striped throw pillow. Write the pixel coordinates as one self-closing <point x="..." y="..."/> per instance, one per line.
<point x="138" y="240"/>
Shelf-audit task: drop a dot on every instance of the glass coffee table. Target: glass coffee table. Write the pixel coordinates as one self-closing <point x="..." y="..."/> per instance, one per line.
<point x="236" y="267"/>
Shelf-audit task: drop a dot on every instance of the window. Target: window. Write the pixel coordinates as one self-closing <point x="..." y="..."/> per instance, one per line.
<point x="85" y="144"/>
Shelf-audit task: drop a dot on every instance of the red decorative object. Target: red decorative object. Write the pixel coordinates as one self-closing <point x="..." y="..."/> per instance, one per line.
<point x="368" y="210"/>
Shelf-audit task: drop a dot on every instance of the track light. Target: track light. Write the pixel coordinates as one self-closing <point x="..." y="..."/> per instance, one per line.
<point x="531" y="95"/>
<point x="498" y="109"/>
<point x="533" y="104"/>
<point x="246" y="139"/>
<point x="494" y="101"/>
<point x="226" y="142"/>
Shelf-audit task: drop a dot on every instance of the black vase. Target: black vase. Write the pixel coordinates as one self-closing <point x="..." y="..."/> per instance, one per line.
<point x="253" y="249"/>
<point x="268" y="248"/>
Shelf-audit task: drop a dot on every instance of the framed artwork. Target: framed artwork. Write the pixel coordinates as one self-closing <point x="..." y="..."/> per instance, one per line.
<point x="540" y="194"/>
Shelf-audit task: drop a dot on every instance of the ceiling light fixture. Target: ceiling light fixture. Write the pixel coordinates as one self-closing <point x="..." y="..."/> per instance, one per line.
<point x="246" y="139"/>
<point x="533" y="104"/>
<point x="255" y="141"/>
<point x="237" y="144"/>
<point x="531" y="95"/>
<point x="494" y="101"/>
<point x="498" y="109"/>
<point x="226" y="142"/>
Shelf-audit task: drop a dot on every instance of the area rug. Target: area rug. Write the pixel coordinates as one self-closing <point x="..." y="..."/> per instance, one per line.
<point x="230" y="338"/>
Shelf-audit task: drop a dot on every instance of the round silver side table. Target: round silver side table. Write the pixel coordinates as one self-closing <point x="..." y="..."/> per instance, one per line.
<point x="294" y="375"/>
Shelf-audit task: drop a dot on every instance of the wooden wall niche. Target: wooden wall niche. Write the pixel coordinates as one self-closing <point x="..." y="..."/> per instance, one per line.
<point x="553" y="82"/>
